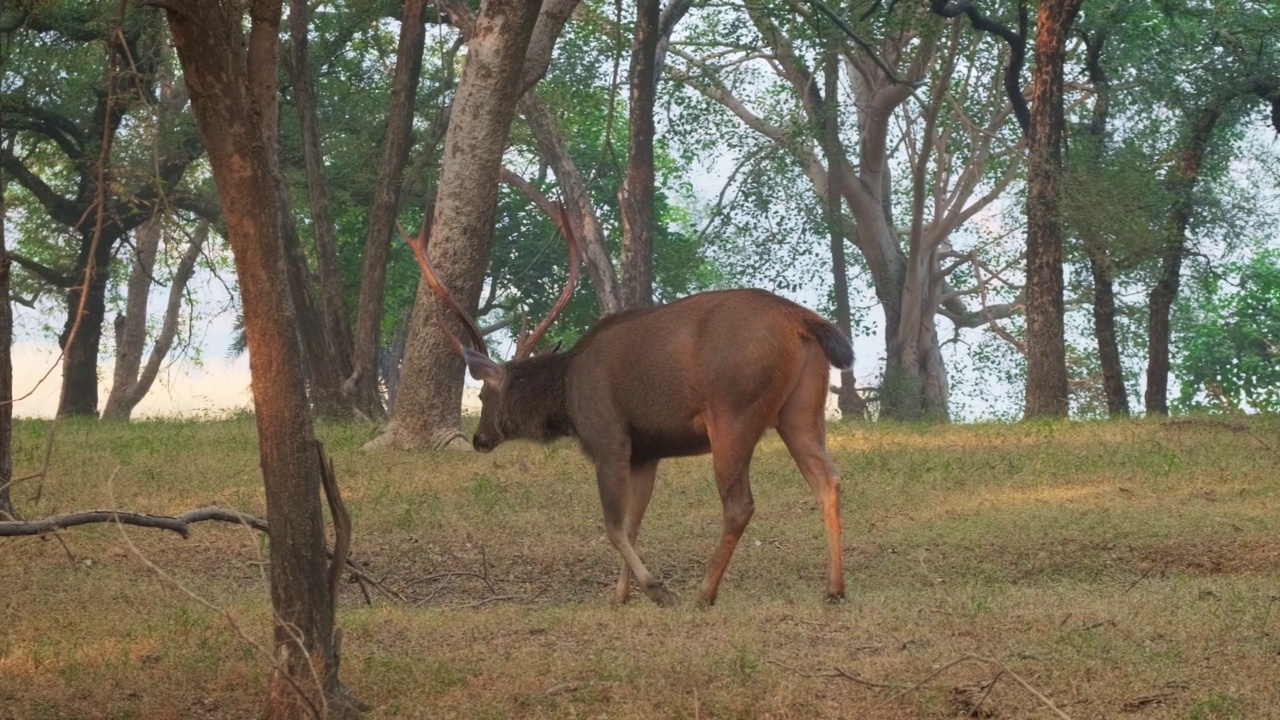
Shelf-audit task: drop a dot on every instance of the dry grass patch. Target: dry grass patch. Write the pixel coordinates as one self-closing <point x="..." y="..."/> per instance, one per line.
<point x="1122" y="569"/>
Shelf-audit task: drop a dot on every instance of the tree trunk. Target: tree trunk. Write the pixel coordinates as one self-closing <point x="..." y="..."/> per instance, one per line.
<point x="851" y="404"/>
<point x="635" y="197"/>
<point x="128" y="387"/>
<point x="323" y="370"/>
<point x="1104" y="298"/>
<point x="363" y="382"/>
<point x="1046" y="389"/>
<point x="1165" y="291"/>
<point x="332" y="287"/>
<point x="7" y="511"/>
<point x="233" y="95"/>
<point x="428" y="405"/>
<point x="79" y="396"/>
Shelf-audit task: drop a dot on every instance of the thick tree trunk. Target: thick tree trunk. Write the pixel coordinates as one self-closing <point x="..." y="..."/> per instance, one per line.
<point x="1165" y="291"/>
<point x="80" y="358"/>
<point x="332" y="287"/>
<point x="363" y="382"/>
<point x="635" y="197"/>
<point x="128" y="387"/>
<point x="233" y="94"/>
<point x="428" y="405"/>
<point x="1046" y="390"/>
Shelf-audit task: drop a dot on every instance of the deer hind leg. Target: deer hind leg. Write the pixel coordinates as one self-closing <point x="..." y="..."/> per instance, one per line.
<point x="802" y="427"/>
<point x="731" y="458"/>
<point x="612" y="479"/>
<point x="639" y="490"/>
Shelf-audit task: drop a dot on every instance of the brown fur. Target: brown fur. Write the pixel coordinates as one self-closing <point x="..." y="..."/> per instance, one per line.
<point x="711" y="372"/>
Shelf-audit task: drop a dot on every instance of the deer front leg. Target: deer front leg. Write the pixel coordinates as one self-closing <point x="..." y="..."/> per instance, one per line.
<point x="612" y="480"/>
<point x="639" y="490"/>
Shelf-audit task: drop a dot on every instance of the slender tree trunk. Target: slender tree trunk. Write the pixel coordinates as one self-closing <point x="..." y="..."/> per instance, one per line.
<point x="323" y="370"/>
<point x="635" y="197"/>
<point x="428" y="406"/>
<point x="1046" y="390"/>
<point x="851" y="404"/>
<point x="80" y="359"/>
<point x="233" y="81"/>
<point x="1165" y="291"/>
<point x="1100" y="267"/>
<point x="128" y="385"/>
<point x="7" y="510"/>
<point x="332" y="287"/>
<point x="363" y="382"/>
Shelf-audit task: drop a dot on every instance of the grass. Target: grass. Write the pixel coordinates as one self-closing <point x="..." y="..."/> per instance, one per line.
<point x="1123" y="569"/>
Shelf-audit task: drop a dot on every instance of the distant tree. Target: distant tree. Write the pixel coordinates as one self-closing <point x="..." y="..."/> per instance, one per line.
<point x="1227" y="331"/>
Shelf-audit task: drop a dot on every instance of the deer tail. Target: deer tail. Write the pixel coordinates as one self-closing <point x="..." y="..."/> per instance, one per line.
<point x="834" y="344"/>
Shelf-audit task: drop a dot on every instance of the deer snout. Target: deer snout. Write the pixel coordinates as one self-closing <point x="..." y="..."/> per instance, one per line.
<point x="482" y="444"/>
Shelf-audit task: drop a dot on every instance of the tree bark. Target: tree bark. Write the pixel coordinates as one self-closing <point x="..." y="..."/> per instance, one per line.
<point x="1100" y="266"/>
<point x="79" y="396"/>
<point x="428" y="405"/>
<point x="1165" y="291"/>
<point x="332" y="287"/>
<point x="128" y="387"/>
<point x="232" y="78"/>
<point x="363" y="381"/>
<point x="851" y="404"/>
<point x="635" y="197"/>
<point x="7" y="511"/>
<point x="1046" y="389"/>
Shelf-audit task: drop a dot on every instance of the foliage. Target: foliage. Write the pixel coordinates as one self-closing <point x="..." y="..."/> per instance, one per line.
<point x="1228" y="329"/>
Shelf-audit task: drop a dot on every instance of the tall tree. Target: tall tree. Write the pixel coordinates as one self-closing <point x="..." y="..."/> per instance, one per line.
<point x="428" y="406"/>
<point x="1046" y="389"/>
<point x="363" y="382"/>
<point x="958" y="163"/>
<point x="232" y="77"/>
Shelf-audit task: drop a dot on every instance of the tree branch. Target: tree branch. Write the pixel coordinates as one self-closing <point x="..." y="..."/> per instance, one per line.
<point x="1017" y="45"/>
<point x="59" y="208"/>
<point x="44" y="272"/>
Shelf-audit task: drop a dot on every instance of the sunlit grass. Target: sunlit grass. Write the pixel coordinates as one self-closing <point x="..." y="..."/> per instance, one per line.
<point x="1127" y="567"/>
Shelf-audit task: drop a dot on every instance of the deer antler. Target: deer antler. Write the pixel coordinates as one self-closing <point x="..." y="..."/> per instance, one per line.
<point x="419" y="247"/>
<point x="525" y="347"/>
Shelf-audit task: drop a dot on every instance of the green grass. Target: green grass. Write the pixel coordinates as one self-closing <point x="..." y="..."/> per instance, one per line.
<point x="1122" y="569"/>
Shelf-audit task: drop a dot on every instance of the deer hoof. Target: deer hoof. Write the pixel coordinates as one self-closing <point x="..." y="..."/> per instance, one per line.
<point x="835" y="598"/>
<point x="662" y="597"/>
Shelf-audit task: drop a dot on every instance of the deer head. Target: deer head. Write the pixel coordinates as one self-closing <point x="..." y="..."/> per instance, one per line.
<point x="503" y="413"/>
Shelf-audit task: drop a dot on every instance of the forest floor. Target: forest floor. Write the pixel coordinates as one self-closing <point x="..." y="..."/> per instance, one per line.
<point x="1105" y="569"/>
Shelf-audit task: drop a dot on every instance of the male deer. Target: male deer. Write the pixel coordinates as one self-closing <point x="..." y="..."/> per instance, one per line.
<point x="710" y="372"/>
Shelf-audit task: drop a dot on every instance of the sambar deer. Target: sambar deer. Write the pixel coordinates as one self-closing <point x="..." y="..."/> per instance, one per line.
<point x="710" y="372"/>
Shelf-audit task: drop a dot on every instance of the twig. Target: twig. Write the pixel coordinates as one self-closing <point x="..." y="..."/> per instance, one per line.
<point x="1141" y="577"/>
<point x="969" y="657"/>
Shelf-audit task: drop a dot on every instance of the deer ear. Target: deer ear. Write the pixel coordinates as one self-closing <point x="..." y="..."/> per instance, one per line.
<point x="483" y="368"/>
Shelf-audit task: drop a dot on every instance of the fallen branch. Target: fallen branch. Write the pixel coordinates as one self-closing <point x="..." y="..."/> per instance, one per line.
<point x="1004" y="669"/>
<point x="178" y="524"/>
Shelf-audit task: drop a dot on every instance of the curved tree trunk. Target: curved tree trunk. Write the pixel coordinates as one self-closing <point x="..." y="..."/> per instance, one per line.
<point x="1046" y="389"/>
<point x="428" y="404"/>
<point x="233" y="78"/>
<point x="363" y="381"/>
<point x="1165" y="291"/>
<point x="128" y="387"/>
